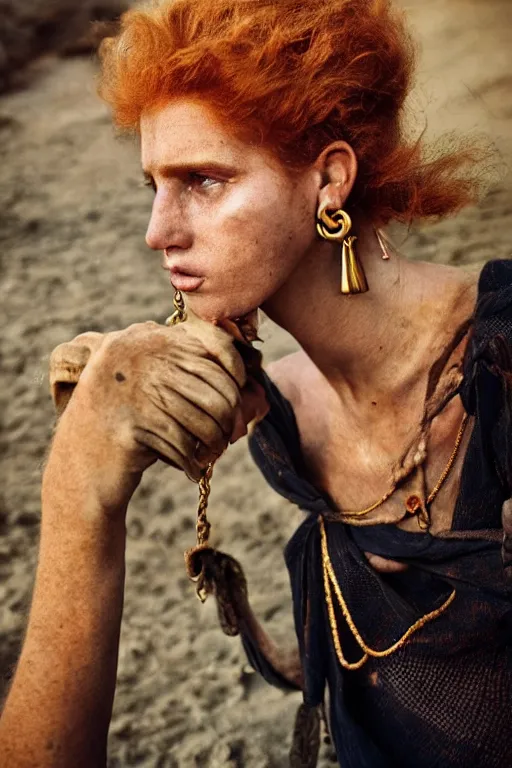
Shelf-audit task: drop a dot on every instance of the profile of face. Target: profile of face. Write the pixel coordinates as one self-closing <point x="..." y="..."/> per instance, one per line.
<point x="232" y="222"/>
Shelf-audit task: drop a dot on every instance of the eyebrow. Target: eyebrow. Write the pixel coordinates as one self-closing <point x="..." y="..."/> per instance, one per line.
<point x="179" y="169"/>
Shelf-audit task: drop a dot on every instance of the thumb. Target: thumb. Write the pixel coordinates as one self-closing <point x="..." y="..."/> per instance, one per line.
<point x="253" y="408"/>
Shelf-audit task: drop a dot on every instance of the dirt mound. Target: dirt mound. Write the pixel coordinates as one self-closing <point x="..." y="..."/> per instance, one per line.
<point x="34" y="27"/>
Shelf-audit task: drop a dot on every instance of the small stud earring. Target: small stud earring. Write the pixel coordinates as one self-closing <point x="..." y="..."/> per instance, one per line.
<point x="384" y="242"/>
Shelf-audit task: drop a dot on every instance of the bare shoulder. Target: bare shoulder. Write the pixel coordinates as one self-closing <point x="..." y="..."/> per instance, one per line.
<point x="301" y="383"/>
<point x="290" y="374"/>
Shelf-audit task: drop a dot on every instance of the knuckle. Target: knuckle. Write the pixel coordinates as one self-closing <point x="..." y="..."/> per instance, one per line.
<point x="58" y="353"/>
<point x="112" y="344"/>
<point x="146" y="336"/>
<point x="78" y="348"/>
<point x="206" y="454"/>
<point x="88" y="338"/>
<point x="68" y="360"/>
<point x="212" y="433"/>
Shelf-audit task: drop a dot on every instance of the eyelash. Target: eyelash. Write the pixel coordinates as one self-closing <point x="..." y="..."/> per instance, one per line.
<point x="193" y="178"/>
<point x="200" y="178"/>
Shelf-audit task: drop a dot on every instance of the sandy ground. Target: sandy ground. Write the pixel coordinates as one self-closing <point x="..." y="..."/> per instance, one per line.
<point x="73" y="257"/>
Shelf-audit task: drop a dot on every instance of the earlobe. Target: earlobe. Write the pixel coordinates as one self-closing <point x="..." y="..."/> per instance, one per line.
<point x="331" y="197"/>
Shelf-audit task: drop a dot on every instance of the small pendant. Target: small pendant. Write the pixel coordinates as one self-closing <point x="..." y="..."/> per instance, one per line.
<point x="414" y="506"/>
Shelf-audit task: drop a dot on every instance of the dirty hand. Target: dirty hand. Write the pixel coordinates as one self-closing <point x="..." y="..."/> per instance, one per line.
<point x="149" y="392"/>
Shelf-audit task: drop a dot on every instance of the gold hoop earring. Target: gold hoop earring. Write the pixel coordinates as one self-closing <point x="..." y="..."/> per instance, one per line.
<point x="335" y="227"/>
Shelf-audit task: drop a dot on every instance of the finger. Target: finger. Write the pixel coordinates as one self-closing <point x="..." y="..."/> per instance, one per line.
<point x="253" y="407"/>
<point x="254" y="401"/>
<point x="194" y="453"/>
<point x="171" y="443"/>
<point x="167" y="453"/>
<point x="90" y="339"/>
<point x="219" y="344"/>
<point x="208" y="399"/>
<point x="193" y="419"/>
<point x="239" y="427"/>
<point x="212" y="374"/>
<point x="67" y="362"/>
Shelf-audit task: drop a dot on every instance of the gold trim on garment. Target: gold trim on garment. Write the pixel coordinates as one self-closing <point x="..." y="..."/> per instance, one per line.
<point x="330" y="583"/>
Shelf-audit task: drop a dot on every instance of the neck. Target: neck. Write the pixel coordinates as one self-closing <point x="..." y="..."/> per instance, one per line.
<point x="381" y="342"/>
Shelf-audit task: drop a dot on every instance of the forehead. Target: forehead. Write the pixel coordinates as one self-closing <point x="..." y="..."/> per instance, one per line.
<point x="184" y="130"/>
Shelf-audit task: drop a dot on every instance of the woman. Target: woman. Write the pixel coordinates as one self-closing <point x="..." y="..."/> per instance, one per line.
<point x="271" y="135"/>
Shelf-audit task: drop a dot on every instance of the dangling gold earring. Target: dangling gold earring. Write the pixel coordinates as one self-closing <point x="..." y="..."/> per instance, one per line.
<point x="336" y="226"/>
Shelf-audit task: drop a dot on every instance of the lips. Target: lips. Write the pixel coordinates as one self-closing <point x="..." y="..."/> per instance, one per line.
<point x="184" y="281"/>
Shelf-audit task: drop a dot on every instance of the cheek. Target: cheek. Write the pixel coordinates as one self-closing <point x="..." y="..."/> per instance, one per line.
<point x="250" y="245"/>
<point x="261" y="254"/>
<point x="264" y="232"/>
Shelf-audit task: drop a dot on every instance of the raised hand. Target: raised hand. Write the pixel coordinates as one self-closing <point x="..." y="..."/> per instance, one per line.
<point x="144" y="393"/>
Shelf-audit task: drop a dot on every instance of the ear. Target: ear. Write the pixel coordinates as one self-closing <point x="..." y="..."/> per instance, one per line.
<point x="337" y="165"/>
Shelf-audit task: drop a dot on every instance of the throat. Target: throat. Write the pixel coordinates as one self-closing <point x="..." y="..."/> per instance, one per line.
<point x="377" y="347"/>
<point x="359" y="452"/>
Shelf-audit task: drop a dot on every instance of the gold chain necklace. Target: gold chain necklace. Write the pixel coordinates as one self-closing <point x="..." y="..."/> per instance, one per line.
<point x="333" y="590"/>
<point x="331" y="585"/>
<point x="330" y="581"/>
<point x="413" y="503"/>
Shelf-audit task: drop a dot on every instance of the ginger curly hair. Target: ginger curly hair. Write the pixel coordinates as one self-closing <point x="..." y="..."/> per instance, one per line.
<point x="295" y="75"/>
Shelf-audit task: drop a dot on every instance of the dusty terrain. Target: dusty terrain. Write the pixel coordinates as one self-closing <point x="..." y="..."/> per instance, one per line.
<point x="72" y="222"/>
<point x="33" y="27"/>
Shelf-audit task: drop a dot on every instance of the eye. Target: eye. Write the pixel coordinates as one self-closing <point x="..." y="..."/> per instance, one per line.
<point x="201" y="180"/>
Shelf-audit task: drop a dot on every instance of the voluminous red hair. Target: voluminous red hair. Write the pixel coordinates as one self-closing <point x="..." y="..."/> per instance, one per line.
<point x="294" y="75"/>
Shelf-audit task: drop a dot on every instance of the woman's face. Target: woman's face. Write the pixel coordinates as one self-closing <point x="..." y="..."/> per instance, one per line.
<point x="234" y="224"/>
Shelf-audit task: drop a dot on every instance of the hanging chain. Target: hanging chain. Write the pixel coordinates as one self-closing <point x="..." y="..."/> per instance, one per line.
<point x="331" y="585"/>
<point x="202" y="524"/>
<point x="179" y="315"/>
<point x="451" y="460"/>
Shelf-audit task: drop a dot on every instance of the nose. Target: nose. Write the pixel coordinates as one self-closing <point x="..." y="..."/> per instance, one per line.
<point x="167" y="226"/>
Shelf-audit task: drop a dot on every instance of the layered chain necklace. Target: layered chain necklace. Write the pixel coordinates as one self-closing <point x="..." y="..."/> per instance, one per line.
<point x="413" y="504"/>
<point x="333" y="592"/>
<point x="332" y="589"/>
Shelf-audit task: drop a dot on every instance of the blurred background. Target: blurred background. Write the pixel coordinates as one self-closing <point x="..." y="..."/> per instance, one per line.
<point x="72" y="258"/>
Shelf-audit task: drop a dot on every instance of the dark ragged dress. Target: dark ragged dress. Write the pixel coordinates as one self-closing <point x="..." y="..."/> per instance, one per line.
<point x="444" y="698"/>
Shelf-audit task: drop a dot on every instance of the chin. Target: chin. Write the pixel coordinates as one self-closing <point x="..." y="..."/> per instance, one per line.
<point x="214" y="311"/>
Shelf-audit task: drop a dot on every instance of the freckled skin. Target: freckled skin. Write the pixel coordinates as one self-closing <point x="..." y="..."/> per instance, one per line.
<point x="358" y="384"/>
<point x="357" y="387"/>
<point x="246" y="231"/>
